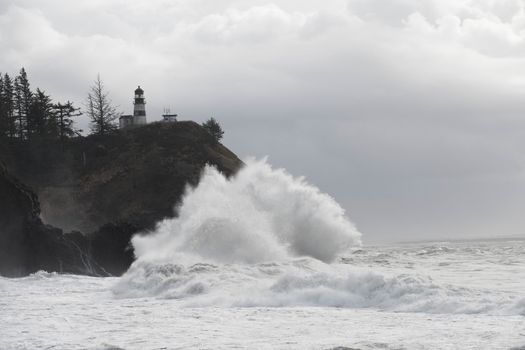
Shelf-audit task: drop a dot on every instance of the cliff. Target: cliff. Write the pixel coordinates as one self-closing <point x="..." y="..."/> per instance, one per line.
<point x="107" y="187"/>
<point x="18" y="214"/>
<point x="28" y="245"/>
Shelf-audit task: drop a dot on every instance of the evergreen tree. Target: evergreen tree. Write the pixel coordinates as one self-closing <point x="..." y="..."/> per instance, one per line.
<point x="26" y="115"/>
<point x="23" y="98"/>
<point x="100" y="109"/>
<point x="214" y="128"/>
<point x="64" y="119"/>
<point x="40" y="117"/>
<point x="8" y="99"/>
<point x="3" y="115"/>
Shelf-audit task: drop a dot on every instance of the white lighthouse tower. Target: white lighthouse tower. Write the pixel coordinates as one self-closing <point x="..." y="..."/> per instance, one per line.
<point x="139" y="108"/>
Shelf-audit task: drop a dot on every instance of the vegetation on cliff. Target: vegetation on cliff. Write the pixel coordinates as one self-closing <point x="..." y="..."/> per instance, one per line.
<point x="135" y="176"/>
<point x="29" y="115"/>
<point x="214" y="128"/>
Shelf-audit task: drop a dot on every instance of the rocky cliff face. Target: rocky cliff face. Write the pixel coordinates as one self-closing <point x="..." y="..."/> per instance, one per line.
<point x="18" y="215"/>
<point x="107" y="187"/>
<point x="28" y="245"/>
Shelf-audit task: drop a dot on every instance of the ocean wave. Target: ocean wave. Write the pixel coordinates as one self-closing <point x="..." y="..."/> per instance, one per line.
<point x="308" y="282"/>
<point x="261" y="214"/>
<point x="264" y="238"/>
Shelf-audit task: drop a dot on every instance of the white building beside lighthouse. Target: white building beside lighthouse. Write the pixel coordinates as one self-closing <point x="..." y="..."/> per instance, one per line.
<point x="139" y="112"/>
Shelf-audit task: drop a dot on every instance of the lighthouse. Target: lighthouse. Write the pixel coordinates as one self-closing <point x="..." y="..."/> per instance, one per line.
<point x="139" y="112"/>
<point x="139" y="108"/>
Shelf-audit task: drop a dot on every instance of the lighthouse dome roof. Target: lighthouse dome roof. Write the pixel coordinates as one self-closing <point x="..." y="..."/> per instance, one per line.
<point x="139" y="91"/>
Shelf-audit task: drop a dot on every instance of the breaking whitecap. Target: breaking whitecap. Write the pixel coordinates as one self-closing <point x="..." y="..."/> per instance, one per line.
<point x="265" y="238"/>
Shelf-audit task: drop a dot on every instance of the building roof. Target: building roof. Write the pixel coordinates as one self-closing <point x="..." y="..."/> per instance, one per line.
<point x="139" y="91"/>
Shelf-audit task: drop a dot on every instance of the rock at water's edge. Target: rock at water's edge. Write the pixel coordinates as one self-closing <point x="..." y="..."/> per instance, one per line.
<point x="112" y="186"/>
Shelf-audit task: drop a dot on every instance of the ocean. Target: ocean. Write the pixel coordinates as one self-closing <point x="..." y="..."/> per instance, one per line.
<point x="442" y="295"/>
<point x="266" y="261"/>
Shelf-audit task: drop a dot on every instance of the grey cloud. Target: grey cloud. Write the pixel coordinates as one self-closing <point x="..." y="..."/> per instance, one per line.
<point x="409" y="113"/>
<point x="393" y="12"/>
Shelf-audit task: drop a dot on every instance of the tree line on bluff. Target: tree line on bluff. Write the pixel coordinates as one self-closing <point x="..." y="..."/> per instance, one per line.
<point x="28" y="115"/>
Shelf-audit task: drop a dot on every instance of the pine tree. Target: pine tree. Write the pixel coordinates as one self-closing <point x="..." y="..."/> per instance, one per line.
<point x="100" y="109"/>
<point x="40" y="115"/>
<point x="4" y="132"/>
<point x="64" y="119"/>
<point x="23" y="98"/>
<point x="8" y="97"/>
<point x="214" y="128"/>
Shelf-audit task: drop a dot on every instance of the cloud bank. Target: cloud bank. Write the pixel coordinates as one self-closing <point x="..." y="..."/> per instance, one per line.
<point x="409" y="112"/>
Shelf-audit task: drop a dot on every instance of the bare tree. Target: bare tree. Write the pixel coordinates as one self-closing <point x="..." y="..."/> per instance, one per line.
<point x="100" y="109"/>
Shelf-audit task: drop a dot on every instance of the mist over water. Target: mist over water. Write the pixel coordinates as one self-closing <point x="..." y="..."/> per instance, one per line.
<point x="261" y="214"/>
<point x="266" y="238"/>
<point x="264" y="260"/>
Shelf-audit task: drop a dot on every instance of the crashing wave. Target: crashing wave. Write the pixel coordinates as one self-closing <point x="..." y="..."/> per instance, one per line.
<point x="265" y="238"/>
<point x="261" y="214"/>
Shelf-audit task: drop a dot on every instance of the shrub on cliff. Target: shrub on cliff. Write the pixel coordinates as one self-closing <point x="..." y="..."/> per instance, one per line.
<point x="214" y="128"/>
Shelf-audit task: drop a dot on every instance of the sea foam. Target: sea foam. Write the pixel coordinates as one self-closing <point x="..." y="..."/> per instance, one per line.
<point x="261" y="214"/>
<point x="266" y="238"/>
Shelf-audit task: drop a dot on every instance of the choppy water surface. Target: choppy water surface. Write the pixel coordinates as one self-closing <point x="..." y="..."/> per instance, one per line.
<point x="417" y="296"/>
<point x="266" y="261"/>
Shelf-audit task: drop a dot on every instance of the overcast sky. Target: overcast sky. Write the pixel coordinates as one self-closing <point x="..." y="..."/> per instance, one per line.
<point x="410" y="113"/>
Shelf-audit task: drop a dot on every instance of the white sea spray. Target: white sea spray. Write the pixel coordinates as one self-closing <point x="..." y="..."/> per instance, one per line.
<point x="261" y="214"/>
<point x="265" y="238"/>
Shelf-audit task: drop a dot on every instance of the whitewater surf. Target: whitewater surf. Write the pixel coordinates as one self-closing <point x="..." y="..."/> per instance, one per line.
<point x="265" y="260"/>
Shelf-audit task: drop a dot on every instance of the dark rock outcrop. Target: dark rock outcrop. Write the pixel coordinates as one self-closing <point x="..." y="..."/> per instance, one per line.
<point x="112" y="187"/>
<point x="28" y="245"/>
<point x="18" y="215"/>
